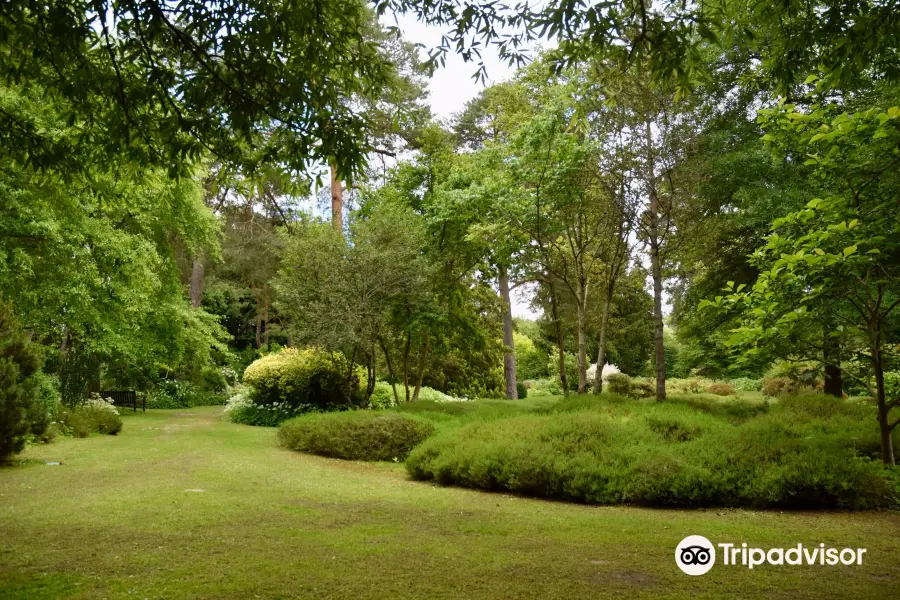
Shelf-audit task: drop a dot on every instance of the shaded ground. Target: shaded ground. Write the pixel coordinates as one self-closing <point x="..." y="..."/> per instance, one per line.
<point x="184" y="505"/>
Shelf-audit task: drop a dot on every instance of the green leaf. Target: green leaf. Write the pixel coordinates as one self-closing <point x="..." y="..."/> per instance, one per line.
<point x="849" y="250"/>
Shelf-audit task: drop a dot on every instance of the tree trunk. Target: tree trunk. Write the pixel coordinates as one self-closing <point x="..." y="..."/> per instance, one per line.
<point x="601" y="346"/>
<point x="406" y="350"/>
<point x="884" y="425"/>
<point x="390" y="368"/>
<point x="266" y="315"/>
<point x="831" y="354"/>
<point x="258" y="316"/>
<point x="656" y="273"/>
<point x="337" y="199"/>
<point x="509" y="355"/>
<point x="197" y="271"/>
<point x="370" y="376"/>
<point x="421" y="374"/>
<point x="560" y="340"/>
<point x="582" y="346"/>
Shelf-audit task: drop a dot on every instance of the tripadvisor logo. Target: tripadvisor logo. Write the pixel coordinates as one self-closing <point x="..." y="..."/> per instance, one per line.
<point x="696" y="555"/>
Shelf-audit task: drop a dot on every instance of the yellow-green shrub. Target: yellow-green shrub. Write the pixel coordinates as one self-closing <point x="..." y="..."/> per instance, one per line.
<point x="307" y="379"/>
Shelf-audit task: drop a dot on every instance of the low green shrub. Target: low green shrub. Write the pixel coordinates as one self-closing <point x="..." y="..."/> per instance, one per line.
<point x="432" y="395"/>
<point x="544" y="387"/>
<point x="720" y="388"/>
<point x="355" y="435"/>
<point x="95" y="415"/>
<point x="305" y="380"/>
<point x="521" y="390"/>
<point x="692" y="385"/>
<point x="618" y="383"/>
<point x="803" y="452"/>
<point x="642" y="387"/>
<point x="382" y="396"/>
<point x="747" y="384"/>
<point x="778" y="386"/>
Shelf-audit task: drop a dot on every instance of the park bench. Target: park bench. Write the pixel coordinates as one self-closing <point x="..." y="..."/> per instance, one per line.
<point x="126" y="398"/>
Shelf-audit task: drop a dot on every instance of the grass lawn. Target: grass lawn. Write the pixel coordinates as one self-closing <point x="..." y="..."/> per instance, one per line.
<point x="184" y="505"/>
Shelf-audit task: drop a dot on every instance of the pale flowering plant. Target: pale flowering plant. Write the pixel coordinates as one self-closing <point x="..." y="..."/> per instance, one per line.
<point x="105" y="404"/>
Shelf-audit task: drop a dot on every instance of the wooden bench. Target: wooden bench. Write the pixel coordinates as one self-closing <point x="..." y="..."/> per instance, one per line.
<point x="126" y="398"/>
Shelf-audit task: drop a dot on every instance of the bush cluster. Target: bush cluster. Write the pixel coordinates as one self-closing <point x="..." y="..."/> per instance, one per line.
<point x="809" y="452"/>
<point x="355" y="435"/>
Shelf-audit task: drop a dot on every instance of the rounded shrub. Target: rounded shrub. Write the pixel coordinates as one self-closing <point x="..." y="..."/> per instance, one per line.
<point x="355" y="435"/>
<point x="720" y="388"/>
<point x="305" y="380"/>
<point x="382" y="396"/>
<point x="521" y="390"/>
<point x="619" y="383"/>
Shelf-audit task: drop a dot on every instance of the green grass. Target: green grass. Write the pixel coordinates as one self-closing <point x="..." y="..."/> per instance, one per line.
<point x="115" y="521"/>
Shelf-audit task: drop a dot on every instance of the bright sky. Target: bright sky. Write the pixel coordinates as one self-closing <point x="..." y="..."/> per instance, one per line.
<point x="452" y="86"/>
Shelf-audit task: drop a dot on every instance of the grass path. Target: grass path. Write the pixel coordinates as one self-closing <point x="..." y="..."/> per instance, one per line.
<point x="123" y="517"/>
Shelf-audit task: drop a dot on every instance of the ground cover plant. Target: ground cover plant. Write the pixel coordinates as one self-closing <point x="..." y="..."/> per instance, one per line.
<point x="800" y="452"/>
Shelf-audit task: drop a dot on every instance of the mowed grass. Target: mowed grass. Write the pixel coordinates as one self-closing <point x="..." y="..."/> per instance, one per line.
<point x="118" y="519"/>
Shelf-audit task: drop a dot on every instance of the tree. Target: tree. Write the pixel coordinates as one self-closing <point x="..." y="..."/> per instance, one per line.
<point x="835" y="260"/>
<point x="254" y="84"/>
<point x="341" y="294"/>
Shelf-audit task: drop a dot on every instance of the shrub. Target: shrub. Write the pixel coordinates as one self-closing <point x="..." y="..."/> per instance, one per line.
<point x="776" y="386"/>
<point x="23" y="409"/>
<point x="382" y="396"/>
<point x="95" y="415"/>
<point x="807" y="452"/>
<point x="619" y="383"/>
<point x="544" y="387"/>
<point x="432" y="395"/>
<point x="521" y="390"/>
<point x="693" y="385"/>
<point x="241" y="408"/>
<point x="355" y="435"/>
<point x="304" y="380"/>
<point x="720" y="388"/>
<point x="182" y="394"/>
<point x="747" y="384"/>
<point x="642" y="387"/>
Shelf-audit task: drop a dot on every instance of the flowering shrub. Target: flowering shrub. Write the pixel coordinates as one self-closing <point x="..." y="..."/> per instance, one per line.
<point x="241" y="408"/>
<point x="95" y="415"/>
